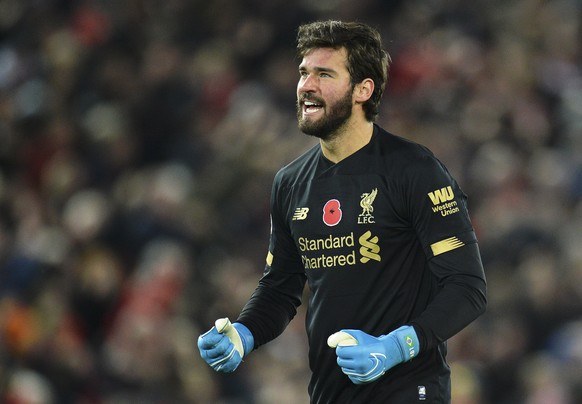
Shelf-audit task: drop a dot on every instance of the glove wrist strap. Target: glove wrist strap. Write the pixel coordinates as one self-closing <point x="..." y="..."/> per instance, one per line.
<point x="407" y="341"/>
<point x="247" y="339"/>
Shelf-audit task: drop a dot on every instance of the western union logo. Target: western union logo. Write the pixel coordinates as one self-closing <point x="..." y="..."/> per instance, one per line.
<point x="300" y="214"/>
<point x="441" y="195"/>
<point x="446" y="245"/>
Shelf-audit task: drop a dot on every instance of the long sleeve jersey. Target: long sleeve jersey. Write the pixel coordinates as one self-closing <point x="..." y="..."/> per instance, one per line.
<point x="383" y="239"/>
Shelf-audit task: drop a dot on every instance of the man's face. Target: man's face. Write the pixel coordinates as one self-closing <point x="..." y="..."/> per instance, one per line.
<point x="324" y="93"/>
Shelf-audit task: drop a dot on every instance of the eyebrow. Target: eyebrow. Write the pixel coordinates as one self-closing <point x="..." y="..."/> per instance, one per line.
<point x="318" y="69"/>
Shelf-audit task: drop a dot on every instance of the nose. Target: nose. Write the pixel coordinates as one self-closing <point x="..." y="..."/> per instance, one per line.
<point x="307" y="84"/>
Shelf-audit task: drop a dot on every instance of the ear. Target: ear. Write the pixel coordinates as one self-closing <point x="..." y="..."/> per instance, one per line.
<point x="363" y="90"/>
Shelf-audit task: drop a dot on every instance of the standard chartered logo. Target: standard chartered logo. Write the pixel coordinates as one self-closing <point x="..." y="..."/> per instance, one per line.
<point x="369" y="247"/>
<point x="338" y="251"/>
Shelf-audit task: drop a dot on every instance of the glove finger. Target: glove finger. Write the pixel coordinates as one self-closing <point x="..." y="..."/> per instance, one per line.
<point x="228" y="363"/>
<point x="362" y="365"/>
<point x="209" y="339"/>
<point x="221" y="349"/>
<point x="347" y="363"/>
<point x="356" y="380"/>
<point x="219" y="361"/>
<point x="359" y="368"/>
<point x="359" y="374"/>
<point x="350" y="352"/>
<point x="359" y="379"/>
<point x="341" y="338"/>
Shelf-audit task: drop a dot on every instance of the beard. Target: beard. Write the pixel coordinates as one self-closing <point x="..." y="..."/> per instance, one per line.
<point x="335" y="116"/>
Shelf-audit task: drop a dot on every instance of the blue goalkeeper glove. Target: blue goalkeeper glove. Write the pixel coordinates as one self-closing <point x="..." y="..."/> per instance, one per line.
<point x="225" y="344"/>
<point x="364" y="358"/>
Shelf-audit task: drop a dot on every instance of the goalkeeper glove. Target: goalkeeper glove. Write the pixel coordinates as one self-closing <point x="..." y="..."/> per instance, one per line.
<point x="225" y="344"/>
<point x="364" y="358"/>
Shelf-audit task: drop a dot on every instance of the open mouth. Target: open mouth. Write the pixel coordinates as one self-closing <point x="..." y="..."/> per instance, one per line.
<point x="310" y="107"/>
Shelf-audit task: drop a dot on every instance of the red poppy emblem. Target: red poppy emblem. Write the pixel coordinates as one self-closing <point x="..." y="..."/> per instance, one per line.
<point x="332" y="212"/>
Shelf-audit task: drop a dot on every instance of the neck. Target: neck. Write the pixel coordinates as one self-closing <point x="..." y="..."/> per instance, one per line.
<point x="347" y="141"/>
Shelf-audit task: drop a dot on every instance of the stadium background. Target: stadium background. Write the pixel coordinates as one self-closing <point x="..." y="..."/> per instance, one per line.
<point x="138" y="141"/>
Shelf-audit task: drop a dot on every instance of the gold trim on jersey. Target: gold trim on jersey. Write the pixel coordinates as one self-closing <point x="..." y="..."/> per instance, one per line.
<point x="446" y="245"/>
<point x="269" y="258"/>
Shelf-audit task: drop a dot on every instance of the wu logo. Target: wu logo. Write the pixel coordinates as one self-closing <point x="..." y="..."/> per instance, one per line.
<point x="369" y="247"/>
<point x="441" y="195"/>
<point x="300" y="214"/>
<point x="367" y="208"/>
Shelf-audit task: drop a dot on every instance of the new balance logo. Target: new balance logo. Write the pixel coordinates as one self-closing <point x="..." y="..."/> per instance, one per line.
<point x="300" y="214"/>
<point x="441" y="195"/>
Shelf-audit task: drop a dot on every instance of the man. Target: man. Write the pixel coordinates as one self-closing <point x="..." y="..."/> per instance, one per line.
<point x="378" y="229"/>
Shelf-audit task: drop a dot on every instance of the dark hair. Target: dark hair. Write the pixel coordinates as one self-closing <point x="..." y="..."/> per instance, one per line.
<point x="366" y="58"/>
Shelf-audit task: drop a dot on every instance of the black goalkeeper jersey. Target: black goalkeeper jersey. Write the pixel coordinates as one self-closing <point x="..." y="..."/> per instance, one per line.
<point x="383" y="239"/>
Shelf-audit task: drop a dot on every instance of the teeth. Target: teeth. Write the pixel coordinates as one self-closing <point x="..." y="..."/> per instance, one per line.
<point x="310" y="104"/>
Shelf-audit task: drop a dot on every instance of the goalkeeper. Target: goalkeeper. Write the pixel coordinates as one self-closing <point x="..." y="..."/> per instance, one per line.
<point x="378" y="229"/>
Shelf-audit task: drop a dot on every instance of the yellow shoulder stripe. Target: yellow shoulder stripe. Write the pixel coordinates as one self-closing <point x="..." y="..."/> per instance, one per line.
<point x="269" y="259"/>
<point x="446" y="245"/>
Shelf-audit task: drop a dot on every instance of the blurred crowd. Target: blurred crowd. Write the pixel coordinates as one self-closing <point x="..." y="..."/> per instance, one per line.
<point x="138" y="142"/>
